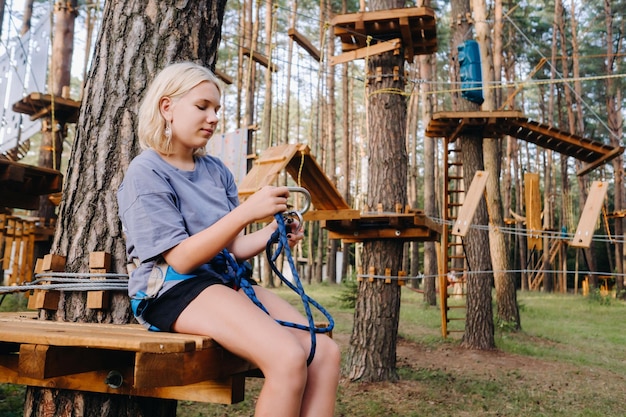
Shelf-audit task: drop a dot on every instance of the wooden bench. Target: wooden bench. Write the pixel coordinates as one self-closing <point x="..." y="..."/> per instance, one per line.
<point x="118" y="359"/>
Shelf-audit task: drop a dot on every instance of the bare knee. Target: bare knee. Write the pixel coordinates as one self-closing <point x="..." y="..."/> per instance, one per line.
<point x="328" y="355"/>
<point x="287" y="365"/>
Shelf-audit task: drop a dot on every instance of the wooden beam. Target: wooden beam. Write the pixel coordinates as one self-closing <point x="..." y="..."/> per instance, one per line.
<point x="260" y="58"/>
<point x="44" y="361"/>
<point x="407" y="38"/>
<point x="222" y="76"/>
<point x="364" y="52"/>
<point x="304" y="43"/>
<point x="600" y="161"/>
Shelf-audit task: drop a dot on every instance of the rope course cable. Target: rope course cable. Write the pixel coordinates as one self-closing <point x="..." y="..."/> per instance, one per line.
<point x="421" y="276"/>
<point x="532" y="233"/>
<point x="67" y="281"/>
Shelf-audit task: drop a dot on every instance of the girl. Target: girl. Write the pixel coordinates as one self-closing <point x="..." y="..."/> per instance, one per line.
<point x="179" y="209"/>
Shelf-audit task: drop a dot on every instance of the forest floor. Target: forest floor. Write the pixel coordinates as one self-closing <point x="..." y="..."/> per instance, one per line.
<point x="447" y="380"/>
<point x="535" y="372"/>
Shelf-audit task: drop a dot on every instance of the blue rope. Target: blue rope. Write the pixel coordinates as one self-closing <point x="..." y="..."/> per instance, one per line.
<point x="280" y="237"/>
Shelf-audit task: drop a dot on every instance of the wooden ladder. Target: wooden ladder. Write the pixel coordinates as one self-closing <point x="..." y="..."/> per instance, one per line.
<point x="537" y="277"/>
<point x="453" y="265"/>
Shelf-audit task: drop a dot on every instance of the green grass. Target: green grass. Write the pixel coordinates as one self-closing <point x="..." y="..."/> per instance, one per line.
<point x="581" y="339"/>
<point x="569" y="328"/>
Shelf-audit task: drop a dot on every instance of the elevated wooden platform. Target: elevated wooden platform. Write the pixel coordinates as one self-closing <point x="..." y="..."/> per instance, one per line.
<point x="329" y="207"/>
<point x="118" y="359"/>
<point x="297" y="160"/>
<point x="412" y="226"/>
<point x="495" y="124"/>
<point x="21" y="184"/>
<point x="38" y="105"/>
<point x="415" y="26"/>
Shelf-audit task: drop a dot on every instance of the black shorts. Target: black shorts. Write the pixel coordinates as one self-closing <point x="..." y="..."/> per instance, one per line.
<point x="164" y="311"/>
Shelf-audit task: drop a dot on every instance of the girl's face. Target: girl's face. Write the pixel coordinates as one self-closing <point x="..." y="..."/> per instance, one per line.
<point x="193" y="116"/>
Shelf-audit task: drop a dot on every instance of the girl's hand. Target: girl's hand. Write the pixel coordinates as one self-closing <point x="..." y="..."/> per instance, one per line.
<point x="266" y="202"/>
<point x="295" y="234"/>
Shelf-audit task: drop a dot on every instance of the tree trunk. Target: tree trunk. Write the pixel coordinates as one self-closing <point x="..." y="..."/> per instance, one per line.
<point x="479" y="328"/>
<point x="53" y="130"/>
<point x="331" y="161"/>
<point x="615" y="122"/>
<point x="372" y="355"/>
<point x="346" y="147"/>
<point x="430" y="207"/>
<point x="504" y="279"/>
<point x="137" y="38"/>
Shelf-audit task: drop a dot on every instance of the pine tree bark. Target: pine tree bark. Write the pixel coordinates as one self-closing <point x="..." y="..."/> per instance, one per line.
<point x="615" y="122"/>
<point x="504" y="279"/>
<point x="137" y="38"/>
<point x="479" y="328"/>
<point x="430" y="208"/>
<point x="331" y="131"/>
<point x="346" y="149"/>
<point x="372" y="355"/>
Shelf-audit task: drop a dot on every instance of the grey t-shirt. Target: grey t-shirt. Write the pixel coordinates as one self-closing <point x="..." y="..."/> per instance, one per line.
<point x="160" y="206"/>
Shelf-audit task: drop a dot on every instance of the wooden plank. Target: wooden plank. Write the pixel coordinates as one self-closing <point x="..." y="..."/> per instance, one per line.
<point x="412" y="234"/>
<point x="228" y="390"/>
<point x="304" y="43"/>
<point x="366" y="51"/>
<point x="589" y="217"/>
<point x="29" y="320"/>
<point x="177" y="369"/>
<point x="307" y="173"/>
<point x="44" y="361"/>
<point x="609" y="156"/>
<point x="407" y="38"/>
<point x="532" y="199"/>
<point x="382" y="15"/>
<point x="260" y="58"/>
<point x="326" y="214"/>
<point x="227" y="79"/>
<point x="52" y="333"/>
<point x="266" y="169"/>
<point x="472" y="197"/>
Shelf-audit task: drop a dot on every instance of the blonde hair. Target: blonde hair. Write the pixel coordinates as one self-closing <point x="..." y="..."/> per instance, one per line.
<point x="173" y="81"/>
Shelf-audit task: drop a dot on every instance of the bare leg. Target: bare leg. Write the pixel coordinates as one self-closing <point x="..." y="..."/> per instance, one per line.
<point x="323" y="373"/>
<point x="241" y="327"/>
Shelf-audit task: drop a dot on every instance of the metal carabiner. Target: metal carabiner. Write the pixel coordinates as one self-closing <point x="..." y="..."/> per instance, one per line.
<point x="307" y="196"/>
<point x="289" y="215"/>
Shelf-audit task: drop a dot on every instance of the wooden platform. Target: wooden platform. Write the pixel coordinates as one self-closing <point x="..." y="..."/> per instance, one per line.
<point x="21" y="184"/>
<point x="415" y="27"/>
<point x="414" y="226"/>
<point x="82" y="356"/>
<point x="496" y="124"/>
<point x="38" y="105"/>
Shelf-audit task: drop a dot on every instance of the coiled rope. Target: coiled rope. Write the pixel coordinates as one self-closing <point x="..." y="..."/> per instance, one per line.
<point x="279" y="237"/>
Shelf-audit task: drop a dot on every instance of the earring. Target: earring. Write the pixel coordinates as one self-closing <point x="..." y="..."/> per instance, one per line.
<point x="168" y="130"/>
